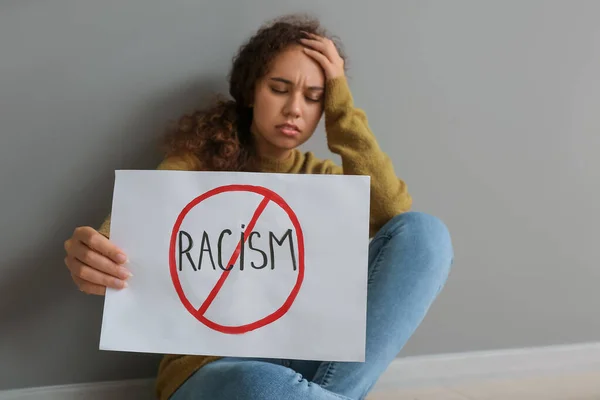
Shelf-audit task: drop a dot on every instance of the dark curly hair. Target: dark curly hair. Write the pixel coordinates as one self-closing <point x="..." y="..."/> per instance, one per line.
<point x="220" y="134"/>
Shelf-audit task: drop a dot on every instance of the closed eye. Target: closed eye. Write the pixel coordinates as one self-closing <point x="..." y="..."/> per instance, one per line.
<point x="308" y="98"/>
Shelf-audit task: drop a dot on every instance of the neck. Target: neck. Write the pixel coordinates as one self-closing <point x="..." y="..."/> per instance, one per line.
<point x="271" y="164"/>
<point x="275" y="155"/>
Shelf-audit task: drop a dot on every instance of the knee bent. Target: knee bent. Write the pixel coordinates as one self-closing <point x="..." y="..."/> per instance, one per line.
<point x="252" y="380"/>
<point x="425" y="231"/>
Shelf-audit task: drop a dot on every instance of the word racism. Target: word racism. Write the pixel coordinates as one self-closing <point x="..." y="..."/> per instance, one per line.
<point x="206" y="249"/>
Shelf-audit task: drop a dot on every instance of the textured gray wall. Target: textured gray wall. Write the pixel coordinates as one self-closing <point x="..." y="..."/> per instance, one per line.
<point x="490" y="111"/>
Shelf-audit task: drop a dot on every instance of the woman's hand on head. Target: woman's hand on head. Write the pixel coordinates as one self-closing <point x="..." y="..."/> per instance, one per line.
<point x="323" y="50"/>
<point x="95" y="262"/>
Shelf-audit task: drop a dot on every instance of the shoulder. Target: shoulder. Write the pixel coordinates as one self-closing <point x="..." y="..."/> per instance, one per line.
<point x="314" y="165"/>
<point x="185" y="161"/>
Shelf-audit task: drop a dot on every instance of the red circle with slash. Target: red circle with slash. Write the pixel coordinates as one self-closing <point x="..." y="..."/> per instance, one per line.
<point x="198" y="313"/>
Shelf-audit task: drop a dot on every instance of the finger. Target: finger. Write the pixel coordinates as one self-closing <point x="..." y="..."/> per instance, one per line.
<point x="90" y="257"/>
<point x="318" y="56"/>
<point x="313" y="35"/>
<point x="88" y="274"/>
<point x="89" y="288"/>
<point x="328" y="43"/>
<point x="95" y="240"/>
<point x="325" y="46"/>
<point x="315" y="44"/>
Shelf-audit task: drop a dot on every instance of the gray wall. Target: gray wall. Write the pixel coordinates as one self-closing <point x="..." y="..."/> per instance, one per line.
<point x="490" y="111"/>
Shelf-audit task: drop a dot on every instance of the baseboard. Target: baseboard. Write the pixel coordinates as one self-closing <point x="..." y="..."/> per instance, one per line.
<point x="403" y="373"/>
<point x="133" y="389"/>
<point x="454" y="369"/>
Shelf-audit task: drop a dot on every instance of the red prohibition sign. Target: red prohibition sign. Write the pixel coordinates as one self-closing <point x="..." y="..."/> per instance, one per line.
<point x="269" y="196"/>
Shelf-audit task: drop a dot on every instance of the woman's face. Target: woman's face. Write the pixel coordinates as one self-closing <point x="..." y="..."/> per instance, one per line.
<point x="288" y="103"/>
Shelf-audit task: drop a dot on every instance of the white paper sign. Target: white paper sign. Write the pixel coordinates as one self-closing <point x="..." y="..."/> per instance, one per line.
<point x="240" y="264"/>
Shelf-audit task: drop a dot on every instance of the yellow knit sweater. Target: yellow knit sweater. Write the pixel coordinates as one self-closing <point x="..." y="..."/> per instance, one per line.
<point x="349" y="136"/>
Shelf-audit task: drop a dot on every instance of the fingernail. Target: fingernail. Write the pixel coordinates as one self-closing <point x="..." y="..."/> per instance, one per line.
<point x="125" y="273"/>
<point x="121" y="258"/>
<point x="119" y="284"/>
<point x="125" y="285"/>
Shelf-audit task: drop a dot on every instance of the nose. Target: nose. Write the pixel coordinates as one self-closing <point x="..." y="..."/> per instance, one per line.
<point x="292" y="107"/>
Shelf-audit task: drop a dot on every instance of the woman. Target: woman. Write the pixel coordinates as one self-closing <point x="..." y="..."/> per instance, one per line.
<point x="282" y="81"/>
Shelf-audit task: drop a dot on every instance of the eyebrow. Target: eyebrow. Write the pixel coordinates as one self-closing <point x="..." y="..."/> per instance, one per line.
<point x="286" y="81"/>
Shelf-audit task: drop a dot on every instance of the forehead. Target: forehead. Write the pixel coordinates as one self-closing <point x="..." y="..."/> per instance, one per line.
<point x="294" y="65"/>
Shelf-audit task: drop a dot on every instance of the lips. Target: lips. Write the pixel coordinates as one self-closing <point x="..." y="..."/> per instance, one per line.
<point x="288" y="129"/>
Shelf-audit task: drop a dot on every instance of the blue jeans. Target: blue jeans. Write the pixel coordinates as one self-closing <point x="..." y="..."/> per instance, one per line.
<point x="409" y="261"/>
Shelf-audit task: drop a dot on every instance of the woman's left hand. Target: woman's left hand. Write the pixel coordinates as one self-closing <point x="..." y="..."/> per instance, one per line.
<point x="325" y="53"/>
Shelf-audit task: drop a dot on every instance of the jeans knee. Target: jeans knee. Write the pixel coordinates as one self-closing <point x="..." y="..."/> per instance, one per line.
<point x="250" y="380"/>
<point x="427" y="232"/>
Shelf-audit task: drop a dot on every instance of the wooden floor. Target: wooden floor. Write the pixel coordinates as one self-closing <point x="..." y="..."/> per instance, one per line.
<point x="567" y="387"/>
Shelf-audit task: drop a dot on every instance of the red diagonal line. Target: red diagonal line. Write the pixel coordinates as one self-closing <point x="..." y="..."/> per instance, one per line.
<point x="213" y="293"/>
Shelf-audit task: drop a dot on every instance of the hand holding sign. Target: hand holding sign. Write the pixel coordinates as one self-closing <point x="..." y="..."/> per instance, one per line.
<point x="95" y="262"/>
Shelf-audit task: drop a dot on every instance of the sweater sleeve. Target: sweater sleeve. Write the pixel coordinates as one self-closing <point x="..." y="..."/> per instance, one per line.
<point x="349" y="136"/>
<point x="184" y="162"/>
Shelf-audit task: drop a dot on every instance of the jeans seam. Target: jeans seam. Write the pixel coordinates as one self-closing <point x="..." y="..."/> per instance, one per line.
<point x="378" y="258"/>
<point x="325" y="381"/>
<point x="327" y="375"/>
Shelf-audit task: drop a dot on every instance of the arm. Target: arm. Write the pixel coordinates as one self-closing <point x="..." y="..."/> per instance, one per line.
<point x="185" y="162"/>
<point x="349" y="136"/>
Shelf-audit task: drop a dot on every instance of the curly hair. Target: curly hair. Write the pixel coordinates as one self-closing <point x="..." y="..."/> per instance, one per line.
<point x="220" y="134"/>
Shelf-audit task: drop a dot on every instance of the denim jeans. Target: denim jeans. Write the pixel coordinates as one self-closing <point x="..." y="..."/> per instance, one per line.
<point x="409" y="262"/>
